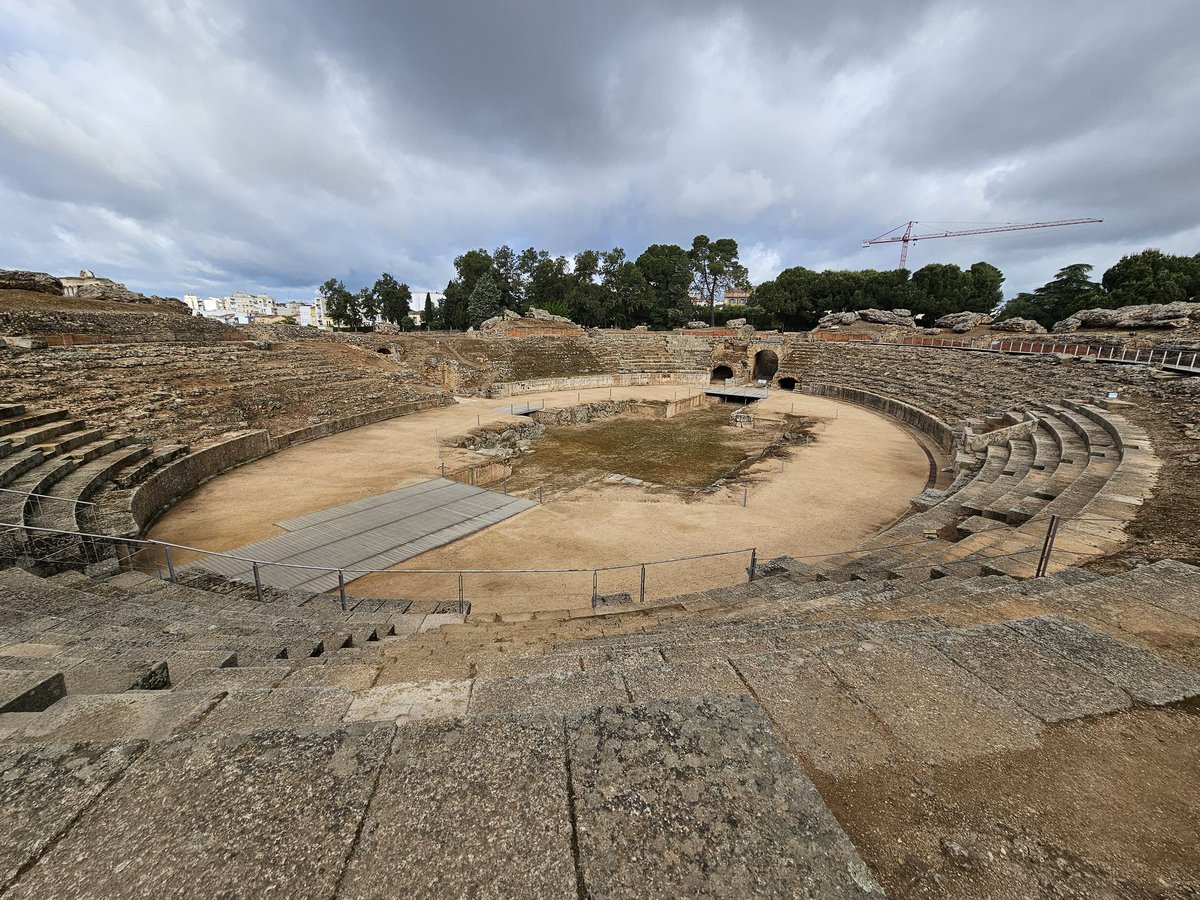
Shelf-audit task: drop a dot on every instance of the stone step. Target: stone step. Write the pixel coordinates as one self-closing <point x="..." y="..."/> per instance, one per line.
<point x="731" y="779"/>
<point x="237" y="791"/>
<point x="23" y="690"/>
<point x="46" y="787"/>
<point x="125" y="716"/>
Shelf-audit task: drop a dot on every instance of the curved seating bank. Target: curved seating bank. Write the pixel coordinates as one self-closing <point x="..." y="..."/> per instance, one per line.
<point x="188" y="738"/>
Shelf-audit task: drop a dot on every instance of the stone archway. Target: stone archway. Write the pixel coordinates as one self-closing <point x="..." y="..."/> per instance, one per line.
<point x="719" y="374"/>
<point x="766" y="364"/>
<point x="787" y="383"/>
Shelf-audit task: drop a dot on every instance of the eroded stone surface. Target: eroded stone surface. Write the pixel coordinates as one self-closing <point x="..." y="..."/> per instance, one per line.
<point x="817" y="715"/>
<point x="475" y="808"/>
<point x="268" y="814"/>
<point x="253" y="709"/>
<point x="1044" y="682"/>
<point x="146" y="715"/>
<point x="44" y="786"/>
<point x="1139" y="673"/>
<point x="410" y="701"/>
<point x="348" y="676"/>
<point x="937" y="710"/>
<point x="29" y="691"/>
<point x="702" y="798"/>
<point x="552" y="693"/>
<point x="235" y="678"/>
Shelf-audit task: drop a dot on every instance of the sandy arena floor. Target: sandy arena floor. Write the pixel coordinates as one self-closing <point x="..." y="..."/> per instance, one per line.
<point x="855" y="478"/>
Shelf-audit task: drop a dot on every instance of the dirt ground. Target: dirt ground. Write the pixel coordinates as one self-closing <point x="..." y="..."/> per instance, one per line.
<point x="1050" y="822"/>
<point x="855" y="478"/>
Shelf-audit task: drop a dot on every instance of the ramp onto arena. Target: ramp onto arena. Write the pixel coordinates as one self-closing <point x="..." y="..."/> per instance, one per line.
<point x="372" y="533"/>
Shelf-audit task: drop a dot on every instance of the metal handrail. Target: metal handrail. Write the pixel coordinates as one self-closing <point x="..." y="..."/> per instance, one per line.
<point x="1021" y="347"/>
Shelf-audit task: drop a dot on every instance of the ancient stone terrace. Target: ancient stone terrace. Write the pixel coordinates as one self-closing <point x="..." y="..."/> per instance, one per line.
<point x="59" y="474"/>
<point x="191" y="394"/>
<point x="658" y="751"/>
<point x="1072" y="460"/>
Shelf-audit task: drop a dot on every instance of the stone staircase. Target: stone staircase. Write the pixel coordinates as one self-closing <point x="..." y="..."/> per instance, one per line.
<point x="668" y="750"/>
<point x="57" y="473"/>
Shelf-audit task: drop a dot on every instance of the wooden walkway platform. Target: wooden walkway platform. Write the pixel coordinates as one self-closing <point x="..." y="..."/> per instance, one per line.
<point x="372" y="533"/>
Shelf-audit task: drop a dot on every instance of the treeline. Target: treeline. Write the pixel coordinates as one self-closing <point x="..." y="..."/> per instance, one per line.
<point x="796" y="298"/>
<point x="665" y="287"/>
<point x="386" y="299"/>
<point x="1139" y="278"/>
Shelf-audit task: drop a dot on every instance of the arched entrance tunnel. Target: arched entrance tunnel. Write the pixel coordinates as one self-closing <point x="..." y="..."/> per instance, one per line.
<point x="787" y="383"/>
<point x="766" y="364"/>
<point x="720" y="373"/>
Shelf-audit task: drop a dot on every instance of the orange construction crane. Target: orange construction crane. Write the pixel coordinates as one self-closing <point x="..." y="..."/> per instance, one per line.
<point x="890" y="237"/>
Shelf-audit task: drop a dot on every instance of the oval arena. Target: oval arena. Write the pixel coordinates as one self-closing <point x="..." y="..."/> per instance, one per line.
<point x="591" y="613"/>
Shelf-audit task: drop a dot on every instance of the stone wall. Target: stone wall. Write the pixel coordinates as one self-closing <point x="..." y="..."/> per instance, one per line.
<point x="71" y="327"/>
<point x="910" y="415"/>
<point x="172" y="482"/>
<point x="587" y="382"/>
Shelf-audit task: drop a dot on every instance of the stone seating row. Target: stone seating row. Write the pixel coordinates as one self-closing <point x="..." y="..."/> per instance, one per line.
<point x="54" y="468"/>
<point x="573" y="721"/>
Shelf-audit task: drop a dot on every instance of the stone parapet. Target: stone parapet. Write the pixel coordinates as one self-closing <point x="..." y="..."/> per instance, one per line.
<point x="587" y="382"/>
<point x="927" y="423"/>
<point x="175" y="480"/>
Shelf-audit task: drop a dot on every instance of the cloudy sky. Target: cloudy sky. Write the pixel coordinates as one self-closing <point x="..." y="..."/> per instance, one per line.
<point x="206" y="146"/>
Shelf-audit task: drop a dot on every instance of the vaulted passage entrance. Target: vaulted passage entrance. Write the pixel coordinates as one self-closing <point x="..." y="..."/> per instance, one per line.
<point x="766" y="364"/>
<point x="787" y="383"/>
<point x="720" y="373"/>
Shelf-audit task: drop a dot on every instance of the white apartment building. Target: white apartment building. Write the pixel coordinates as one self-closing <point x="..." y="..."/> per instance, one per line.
<point x="241" y="308"/>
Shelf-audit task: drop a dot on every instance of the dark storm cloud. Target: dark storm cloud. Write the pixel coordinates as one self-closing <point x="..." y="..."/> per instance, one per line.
<point x="215" y="146"/>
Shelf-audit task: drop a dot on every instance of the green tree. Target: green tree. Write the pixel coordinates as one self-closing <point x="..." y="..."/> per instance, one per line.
<point x="429" y="319"/>
<point x="1068" y="292"/>
<point x="340" y="305"/>
<point x="715" y="269"/>
<point x="668" y="273"/>
<point x="985" y="294"/>
<point x="485" y="300"/>
<point x="940" y="288"/>
<point x="548" y="284"/>
<point x="506" y="269"/>
<point x="1152" y="277"/>
<point x="391" y="298"/>
<point x="627" y="295"/>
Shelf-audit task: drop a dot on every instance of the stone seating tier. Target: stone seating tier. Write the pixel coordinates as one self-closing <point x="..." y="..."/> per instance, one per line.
<point x="154" y="712"/>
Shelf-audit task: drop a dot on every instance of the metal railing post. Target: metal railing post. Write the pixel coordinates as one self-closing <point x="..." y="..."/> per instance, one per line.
<point x="170" y="567"/>
<point x="642" y="593"/>
<point x="342" y="588"/>
<point x="257" y="582"/>
<point x="1047" y="547"/>
<point x="753" y="562"/>
<point x="462" y="601"/>
<point x="595" y="586"/>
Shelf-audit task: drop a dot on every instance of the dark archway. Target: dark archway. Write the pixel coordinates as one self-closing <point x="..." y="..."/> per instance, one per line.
<point x="787" y="383"/>
<point x="720" y="373"/>
<point x="766" y="364"/>
<point x="384" y="350"/>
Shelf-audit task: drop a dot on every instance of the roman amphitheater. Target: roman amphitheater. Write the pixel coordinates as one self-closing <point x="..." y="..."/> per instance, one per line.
<point x="546" y="612"/>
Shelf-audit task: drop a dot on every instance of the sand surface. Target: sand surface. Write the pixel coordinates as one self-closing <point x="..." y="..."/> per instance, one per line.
<point x="855" y="478"/>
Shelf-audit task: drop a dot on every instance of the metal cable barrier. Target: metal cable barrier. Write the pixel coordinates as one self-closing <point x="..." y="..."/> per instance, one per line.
<point x="60" y="550"/>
